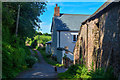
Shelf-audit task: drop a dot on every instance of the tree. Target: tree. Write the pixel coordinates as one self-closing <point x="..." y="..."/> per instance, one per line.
<point x="38" y="33"/>
<point x="28" y="20"/>
<point x="14" y="52"/>
<point x="46" y="34"/>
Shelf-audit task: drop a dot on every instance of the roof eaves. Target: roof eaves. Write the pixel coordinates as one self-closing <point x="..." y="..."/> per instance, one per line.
<point x="76" y="14"/>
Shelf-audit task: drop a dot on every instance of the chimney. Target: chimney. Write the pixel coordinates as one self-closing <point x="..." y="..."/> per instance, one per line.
<point x="56" y="11"/>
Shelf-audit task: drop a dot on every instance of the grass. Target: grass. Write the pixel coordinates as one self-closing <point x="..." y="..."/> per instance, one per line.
<point x="48" y="58"/>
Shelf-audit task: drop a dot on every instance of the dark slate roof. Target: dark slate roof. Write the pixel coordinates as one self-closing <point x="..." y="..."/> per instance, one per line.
<point x="49" y="42"/>
<point x="69" y="22"/>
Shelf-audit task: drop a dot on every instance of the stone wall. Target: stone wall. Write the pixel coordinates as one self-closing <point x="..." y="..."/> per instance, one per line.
<point x="98" y="44"/>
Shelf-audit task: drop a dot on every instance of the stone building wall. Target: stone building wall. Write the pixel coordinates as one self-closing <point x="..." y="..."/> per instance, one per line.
<point x="99" y="40"/>
<point x="110" y="39"/>
<point x="54" y="39"/>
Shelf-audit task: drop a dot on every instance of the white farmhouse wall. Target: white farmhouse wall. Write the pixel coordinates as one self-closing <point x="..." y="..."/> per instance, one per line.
<point x="66" y="39"/>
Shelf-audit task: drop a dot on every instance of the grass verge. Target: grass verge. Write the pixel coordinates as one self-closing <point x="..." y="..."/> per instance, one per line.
<point x="48" y="58"/>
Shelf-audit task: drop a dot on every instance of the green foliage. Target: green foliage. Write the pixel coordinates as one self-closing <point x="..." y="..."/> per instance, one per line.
<point x="34" y="43"/>
<point x="80" y="71"/>
<point x="15" y="55"/>
<point x="38" y="39"/>
<point x="46" y="34"/>
<point x="59" y="65"/>
<point x="8" y="18"/>
<point x="36" y="55"/>
<point x="99" y="73"/>
<point x="30" y="60"/>
<point x="28" y="41"/>
<point x="48" y="58"/>
<point x="29" y="17"/>
<point x="42" y="39"/>
<point x="38" y="33"/>
<point x="65" y="55"/>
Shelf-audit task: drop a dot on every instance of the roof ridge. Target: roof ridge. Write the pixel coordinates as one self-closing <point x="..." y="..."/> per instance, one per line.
<point x="101" y="8"/>
<point x="75" y="14"/>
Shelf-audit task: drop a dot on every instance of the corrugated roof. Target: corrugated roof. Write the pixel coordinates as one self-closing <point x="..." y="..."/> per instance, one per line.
<point x="69" y="22"/>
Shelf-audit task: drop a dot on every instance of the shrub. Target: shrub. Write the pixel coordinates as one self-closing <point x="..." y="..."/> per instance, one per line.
<point x="80" y="71"/>
<point x="48" y="56"/>
<point x="50" y="60"/>
<point x="99" y="73"/>
<point x="14" y="57"/>
<point x="54" y="57"/>
<point x="34" y="43"/>
<point x="30" y="60"/>
<point x="74" y="71"/>
<point x="38" y="39"/>
<point x="28" y="41"/>
<point x="59" y="65"/>
<point x="43" y="48"/>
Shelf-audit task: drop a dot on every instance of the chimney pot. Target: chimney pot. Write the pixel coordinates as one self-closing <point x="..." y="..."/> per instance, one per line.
<point x="56" y="11"/>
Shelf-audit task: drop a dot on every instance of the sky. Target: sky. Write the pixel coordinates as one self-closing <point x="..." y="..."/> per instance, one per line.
<point x="66" y="7"/>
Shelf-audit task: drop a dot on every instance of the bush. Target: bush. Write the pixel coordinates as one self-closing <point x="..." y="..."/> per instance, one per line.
<point x="28" y="41"/>
<point x="43" y="48"/>
<point x="30" y="60"/>
<point x="38" y="39"/>
<point x="80" y="71"/>
<point x="34" y="44"/>
<point x="99" y="73"/>
<point x="54" y="57"/>
<point x="48" y="55"/>
<point x="48" y="59"/>
<point x="14" y="53"/>
<point x="14" y="57"/>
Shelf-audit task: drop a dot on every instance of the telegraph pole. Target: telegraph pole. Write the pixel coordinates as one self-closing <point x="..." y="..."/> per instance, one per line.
<point x="17" y="19"/>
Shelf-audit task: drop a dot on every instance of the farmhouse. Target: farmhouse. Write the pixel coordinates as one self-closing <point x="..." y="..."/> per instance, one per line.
<point x="98" y="43"/>
<point x="64" y="31"/>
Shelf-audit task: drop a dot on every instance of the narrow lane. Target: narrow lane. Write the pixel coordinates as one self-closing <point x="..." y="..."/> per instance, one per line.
<point x="40" y="70"/>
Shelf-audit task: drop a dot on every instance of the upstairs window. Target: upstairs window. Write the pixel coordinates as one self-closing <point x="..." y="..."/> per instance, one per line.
<point x="75" y="38"/>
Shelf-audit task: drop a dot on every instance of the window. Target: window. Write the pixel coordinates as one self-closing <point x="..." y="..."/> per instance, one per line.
<point x="75" y="38"/>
